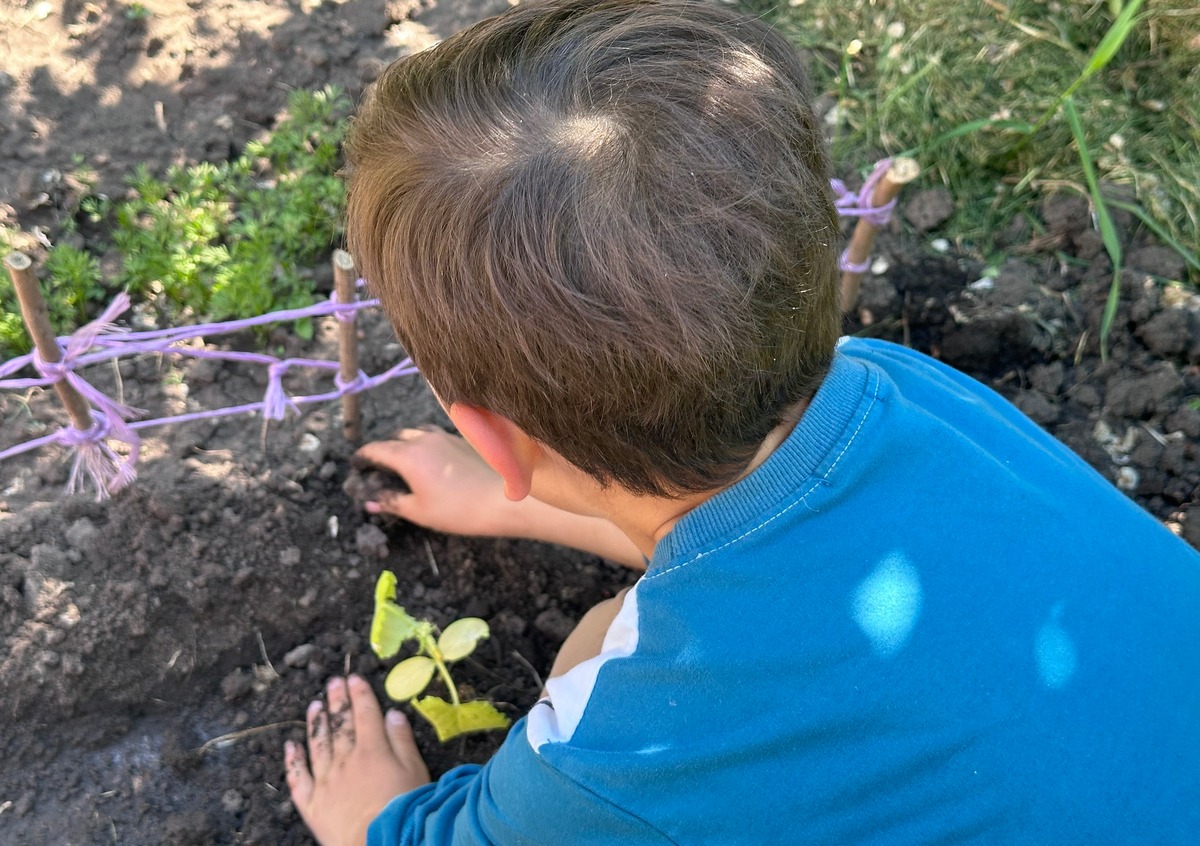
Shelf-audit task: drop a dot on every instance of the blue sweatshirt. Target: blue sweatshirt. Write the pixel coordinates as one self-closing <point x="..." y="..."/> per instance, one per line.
<point x="921" y="621"/>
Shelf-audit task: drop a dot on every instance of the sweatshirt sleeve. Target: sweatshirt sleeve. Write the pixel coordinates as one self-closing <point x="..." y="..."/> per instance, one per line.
<point x="516" y="799"/>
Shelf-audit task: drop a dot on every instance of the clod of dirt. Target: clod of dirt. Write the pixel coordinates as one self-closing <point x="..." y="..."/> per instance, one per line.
<point x="1140" y="397"/>
<point x="232" y="801"/>
<point x="191" y="828"/>
<point x="1168" y="333"/>
<point x="82" y="534"/>
<point x="877" y="298"/>
<point x="553" y="623"/>
<point x="370" y="541"/>
<point x="1066" y="214"/>
<point x="45" y="557"/>
<point x="237" y="685"/>
<point x="1047" y="378"/>
<point x="928" y="209"/>
<point x="1191" y="525"/>
<point x="1037" y="407"/>
<point x="1158" y="261"/>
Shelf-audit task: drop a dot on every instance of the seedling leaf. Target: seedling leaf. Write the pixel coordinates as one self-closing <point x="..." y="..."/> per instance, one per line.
<point x="391" y="625"/>
<point x="385" y="587"/>
<point x="452" y="720"/>
<point x="408" y="678"/>
<point x="460" y="638"/>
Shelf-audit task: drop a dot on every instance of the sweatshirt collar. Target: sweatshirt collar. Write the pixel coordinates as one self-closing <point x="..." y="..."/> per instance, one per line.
<point x="808" y="453"/>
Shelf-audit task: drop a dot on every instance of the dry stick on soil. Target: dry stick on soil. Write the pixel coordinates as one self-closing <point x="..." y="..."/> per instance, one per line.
<point x="262" y="648"/>
<point x="902" y="171"/>
<point x="234" y="736"/>
<point x="345" y="283"/>
<point x="37" y="322"/>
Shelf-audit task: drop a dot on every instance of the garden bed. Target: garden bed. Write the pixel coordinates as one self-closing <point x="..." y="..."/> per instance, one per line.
<point x="157" y="649"/>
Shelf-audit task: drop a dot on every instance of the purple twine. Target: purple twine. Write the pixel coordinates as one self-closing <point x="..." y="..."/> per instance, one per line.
<point x="845" y="264"/>
<point x="850" y="204"/>
<point x="342" y="316"/>
<point x="100" y="341"/>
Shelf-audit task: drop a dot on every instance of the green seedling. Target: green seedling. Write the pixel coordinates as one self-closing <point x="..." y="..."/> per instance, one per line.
<point x="392" y="627"/>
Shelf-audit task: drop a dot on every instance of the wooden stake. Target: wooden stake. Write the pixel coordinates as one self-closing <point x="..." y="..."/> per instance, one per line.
<point x="345" y="283"/>
<point x="901" y="172"/>
<point x="37" y="322"/>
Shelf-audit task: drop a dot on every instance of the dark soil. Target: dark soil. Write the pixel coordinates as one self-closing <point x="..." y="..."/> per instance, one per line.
<point x="156" y="650"/>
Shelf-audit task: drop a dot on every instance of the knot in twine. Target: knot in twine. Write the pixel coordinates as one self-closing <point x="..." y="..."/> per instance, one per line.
<point x="344" y="312"/>
<point x="55" y="371"/>
<point x="850" y="204"/>
<point x="845" y="264"/>
<point x="96" y="460"/>
<point x="276" y="402"/>
<point x="352" y="386"/>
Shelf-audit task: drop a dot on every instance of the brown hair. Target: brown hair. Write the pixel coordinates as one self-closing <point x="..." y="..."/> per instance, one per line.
<point x="610" y="222"/>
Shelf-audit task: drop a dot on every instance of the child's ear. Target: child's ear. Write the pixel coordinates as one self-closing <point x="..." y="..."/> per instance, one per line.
<point x="499" y="442"/>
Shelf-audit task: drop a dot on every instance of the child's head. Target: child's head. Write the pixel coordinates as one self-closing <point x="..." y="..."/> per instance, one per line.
<point x="610" y="222"/>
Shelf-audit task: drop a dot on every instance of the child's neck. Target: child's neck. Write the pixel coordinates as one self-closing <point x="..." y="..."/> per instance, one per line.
<point x="647" y="519"/>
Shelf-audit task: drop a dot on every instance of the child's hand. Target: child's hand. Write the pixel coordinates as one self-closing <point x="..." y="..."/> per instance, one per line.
<point x="453" y="490"/>
<point x="357" y="761"/>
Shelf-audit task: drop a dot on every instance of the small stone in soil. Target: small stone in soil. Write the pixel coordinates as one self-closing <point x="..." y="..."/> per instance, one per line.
<point x="929" y="208"/>
<point x="554" y="624"/>
<point x="237" y="685"/>
<point x="232" y="801"/>
<point x="23" y="805"/>
<point x="370" y="541"/>
<point x="82" y="534"/>
<point x="72" y="665"/>
<point x="290" y="557"/>
<point x="301" y="655"/>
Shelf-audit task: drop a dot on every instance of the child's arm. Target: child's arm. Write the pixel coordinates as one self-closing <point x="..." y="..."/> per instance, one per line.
<point x="454" y="491"/>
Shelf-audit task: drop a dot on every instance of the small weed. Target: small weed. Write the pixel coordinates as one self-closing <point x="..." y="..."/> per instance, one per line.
<point x="230" y="241"/>
<point x="137" y="12"/>
<point x="71" y="281"/>
<point x="1108" y="232"/>
<point x="392" y="626"/>
<point x="218" y="241"/>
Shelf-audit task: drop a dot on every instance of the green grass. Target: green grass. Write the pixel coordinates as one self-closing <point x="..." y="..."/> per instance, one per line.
<point x="976" y="90"/>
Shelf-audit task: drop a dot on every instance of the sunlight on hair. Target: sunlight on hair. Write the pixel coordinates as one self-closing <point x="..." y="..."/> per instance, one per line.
<point x="738" y="72"/>
<point x="887" y="603"/>
<point x="586" y="135"/>
<point x="747" y="68"/>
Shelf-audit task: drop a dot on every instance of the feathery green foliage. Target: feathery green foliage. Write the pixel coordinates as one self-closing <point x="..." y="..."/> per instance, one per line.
<point x="215" y="241"/>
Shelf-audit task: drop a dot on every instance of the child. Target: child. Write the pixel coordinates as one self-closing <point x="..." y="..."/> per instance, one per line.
<point x="880" y="605"/>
